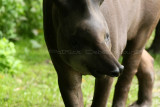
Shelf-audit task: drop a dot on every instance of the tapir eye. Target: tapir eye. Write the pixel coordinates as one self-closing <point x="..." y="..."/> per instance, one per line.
<point x="106" y="38"/>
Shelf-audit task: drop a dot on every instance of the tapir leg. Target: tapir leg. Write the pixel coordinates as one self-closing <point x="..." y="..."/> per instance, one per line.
<point x="69" y="81"/>
<point x="145" y="77"/>
<point x="131" y="61"/>
<point x="124" y="81"/>
<point x="70" y="88"/>
<point x="101" y="92"/>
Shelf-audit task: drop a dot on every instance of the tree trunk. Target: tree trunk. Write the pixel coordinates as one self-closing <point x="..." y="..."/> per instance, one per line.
<point x="155" y="47"/>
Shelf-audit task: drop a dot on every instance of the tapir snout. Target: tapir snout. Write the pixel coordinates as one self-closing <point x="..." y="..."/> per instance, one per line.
<point x="104" y="63"/>
<point x="111" y="66"/>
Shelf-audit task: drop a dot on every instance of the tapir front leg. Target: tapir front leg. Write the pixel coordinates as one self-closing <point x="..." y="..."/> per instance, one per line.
<point x="102" y="90"/>
<point x="70" y="87"/>
<point x="131" y="62"/>
<point x="69" y="80"/>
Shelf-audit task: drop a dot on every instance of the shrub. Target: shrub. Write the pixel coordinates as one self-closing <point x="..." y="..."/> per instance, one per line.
<point x="8" y="62"/>
<point x="10" y="10"/>
<point x="20" y="18"/>
<point x="31" y="22"/>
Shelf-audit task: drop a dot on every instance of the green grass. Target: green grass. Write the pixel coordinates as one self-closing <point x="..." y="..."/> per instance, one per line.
<point x="36" y="84"/>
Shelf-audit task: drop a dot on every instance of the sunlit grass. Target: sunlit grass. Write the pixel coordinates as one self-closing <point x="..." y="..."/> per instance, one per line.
<point x="36" y="84"/>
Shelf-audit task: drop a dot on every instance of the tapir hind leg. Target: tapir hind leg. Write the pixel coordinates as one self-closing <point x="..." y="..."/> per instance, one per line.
<point x="145" y="77"/>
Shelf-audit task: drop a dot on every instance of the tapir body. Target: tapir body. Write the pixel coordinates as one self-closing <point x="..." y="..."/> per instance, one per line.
<point x="88" y="36"/>
<point x="156" y="42"/>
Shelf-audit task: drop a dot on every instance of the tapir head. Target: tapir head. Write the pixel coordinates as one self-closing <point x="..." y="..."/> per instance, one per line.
<point x="83" y="37"/>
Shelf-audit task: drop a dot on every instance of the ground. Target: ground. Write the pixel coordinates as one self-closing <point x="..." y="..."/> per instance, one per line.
<point x="36" y="84"/>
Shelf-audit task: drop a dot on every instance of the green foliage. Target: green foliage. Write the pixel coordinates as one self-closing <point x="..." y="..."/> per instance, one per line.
<point x="31" y="21"/>
<point x="8" y="63"/>
<point x="20" y="18"/>
<point x="10" y="10"/>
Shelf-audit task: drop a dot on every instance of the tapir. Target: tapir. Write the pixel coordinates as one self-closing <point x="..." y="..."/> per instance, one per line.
<point x="87" y="37"/>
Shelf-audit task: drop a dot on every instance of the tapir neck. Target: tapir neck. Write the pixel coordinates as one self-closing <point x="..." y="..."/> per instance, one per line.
<point x="119" y="17"/>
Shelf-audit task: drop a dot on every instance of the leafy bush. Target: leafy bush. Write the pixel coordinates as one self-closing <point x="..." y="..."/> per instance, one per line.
<point x="31" y="21"/>
<point x="20" y="18"/>
<point x="10" y="10"/>
<point x="8" y="63"/>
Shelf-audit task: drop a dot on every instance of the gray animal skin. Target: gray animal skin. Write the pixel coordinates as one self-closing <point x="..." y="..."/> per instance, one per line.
<point x="87" y="37"/>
